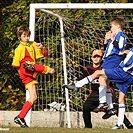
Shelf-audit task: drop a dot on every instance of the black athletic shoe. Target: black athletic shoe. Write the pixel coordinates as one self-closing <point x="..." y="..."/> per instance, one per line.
<point x="109" y="113"/>
<point x="118" y="127"/>
<point x="130" y="126"/>
<point x="29" y="67"/>
<point x="102" y="107"/>
<point x="71" y="87"/>
<point x="20" y="121"/>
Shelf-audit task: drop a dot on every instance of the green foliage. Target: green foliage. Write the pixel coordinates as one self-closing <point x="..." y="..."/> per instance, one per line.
<point x="11" y="99"/>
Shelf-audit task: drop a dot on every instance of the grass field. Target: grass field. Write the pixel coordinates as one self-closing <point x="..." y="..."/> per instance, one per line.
<point x="62" y="130"/>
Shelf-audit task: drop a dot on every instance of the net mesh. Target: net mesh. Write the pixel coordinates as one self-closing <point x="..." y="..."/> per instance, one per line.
<point x="84" y="31"/>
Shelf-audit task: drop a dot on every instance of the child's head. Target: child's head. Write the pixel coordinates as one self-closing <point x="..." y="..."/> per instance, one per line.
<point x="117" y="23"/>
<point x="23" y="32"/>
<point x="97" y="56"/>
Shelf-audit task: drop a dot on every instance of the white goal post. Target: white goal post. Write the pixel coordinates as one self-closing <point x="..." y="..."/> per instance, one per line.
<point x="36" y="6"/>
<point x="45" y="7"/>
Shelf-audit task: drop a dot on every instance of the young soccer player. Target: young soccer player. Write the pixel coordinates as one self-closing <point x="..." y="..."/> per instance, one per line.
<point x="24" y="61"/>
<point x="116" y="41"/>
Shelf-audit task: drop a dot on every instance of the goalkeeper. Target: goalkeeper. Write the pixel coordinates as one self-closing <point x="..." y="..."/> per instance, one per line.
<point x="92" y="100"/>
<point x="24" y="61"/>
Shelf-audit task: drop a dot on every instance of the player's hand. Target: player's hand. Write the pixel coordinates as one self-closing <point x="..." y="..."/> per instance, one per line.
<point x="107" y="37"/>
<point x="52" y="70"/>
<point x="112" y="35"/>
<point x="39" y="45"/>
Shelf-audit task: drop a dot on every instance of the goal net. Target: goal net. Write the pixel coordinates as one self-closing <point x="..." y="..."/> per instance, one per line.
<point x="72" y="32"/>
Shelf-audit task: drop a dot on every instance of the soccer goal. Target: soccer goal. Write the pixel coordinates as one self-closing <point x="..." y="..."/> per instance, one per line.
<point x="72" y="32"/>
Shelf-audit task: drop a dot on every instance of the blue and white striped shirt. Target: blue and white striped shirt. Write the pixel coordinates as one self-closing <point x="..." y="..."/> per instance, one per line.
<point x="112" y="50"/>
<point x="127" y="64"/>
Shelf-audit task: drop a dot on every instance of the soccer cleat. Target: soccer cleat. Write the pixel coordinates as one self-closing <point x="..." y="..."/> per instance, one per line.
<point x="102" y="107"/>
<point x="130" y="126"/>
<point x="109" y="113"/>
<point x="29" y="67"/>
<point x="71" y="87"/>
<point x="20" y="121"/>
<point x="118" y="127"/>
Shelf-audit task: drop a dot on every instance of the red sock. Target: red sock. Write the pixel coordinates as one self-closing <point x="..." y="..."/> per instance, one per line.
<point x="39" y="68"/>
<point x="27" y="106"/>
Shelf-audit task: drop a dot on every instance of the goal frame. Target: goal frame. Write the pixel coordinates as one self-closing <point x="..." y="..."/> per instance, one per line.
<point x="44" y="7"/>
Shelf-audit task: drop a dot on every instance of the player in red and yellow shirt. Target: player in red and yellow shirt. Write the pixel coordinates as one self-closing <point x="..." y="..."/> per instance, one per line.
<point x="24" y="61"/>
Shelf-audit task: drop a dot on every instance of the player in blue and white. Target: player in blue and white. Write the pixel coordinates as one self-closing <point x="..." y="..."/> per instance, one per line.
<point x="116" y="42"/>
<point x="123" y="77"/>
<point x="114" y="49"/>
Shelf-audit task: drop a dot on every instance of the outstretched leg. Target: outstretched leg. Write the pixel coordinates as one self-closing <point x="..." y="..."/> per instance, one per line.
<point x="85" y="80"/>
<point x="37" y="68"/>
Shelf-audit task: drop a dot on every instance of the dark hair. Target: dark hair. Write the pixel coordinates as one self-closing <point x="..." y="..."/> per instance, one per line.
<point x="23" y="29"/>
<point x="119" y="20"/>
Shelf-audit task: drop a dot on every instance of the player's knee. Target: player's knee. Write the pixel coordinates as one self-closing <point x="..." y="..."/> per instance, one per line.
<point x="33" y="98"/>
<point x="97" y="72"/>
<point x="102" y="79"/>
<point x="121" y="101"/>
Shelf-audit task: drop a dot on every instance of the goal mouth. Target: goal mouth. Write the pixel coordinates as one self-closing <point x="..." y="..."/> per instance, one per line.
<point x="72" y="32"/>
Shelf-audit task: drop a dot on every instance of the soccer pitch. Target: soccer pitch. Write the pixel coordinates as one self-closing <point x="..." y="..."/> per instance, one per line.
<point x="61" y="130"/>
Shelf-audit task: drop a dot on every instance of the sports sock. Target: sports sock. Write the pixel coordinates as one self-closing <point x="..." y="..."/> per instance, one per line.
<point x="26" y="107"/>
<point x="102" y="93"/>
<point x="109" y="99"/>
<point x="121" y="112"/>
<point x="83" y="81"/>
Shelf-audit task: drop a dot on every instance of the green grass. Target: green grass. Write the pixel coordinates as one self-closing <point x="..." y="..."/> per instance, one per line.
<point x="62" y="130"/>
